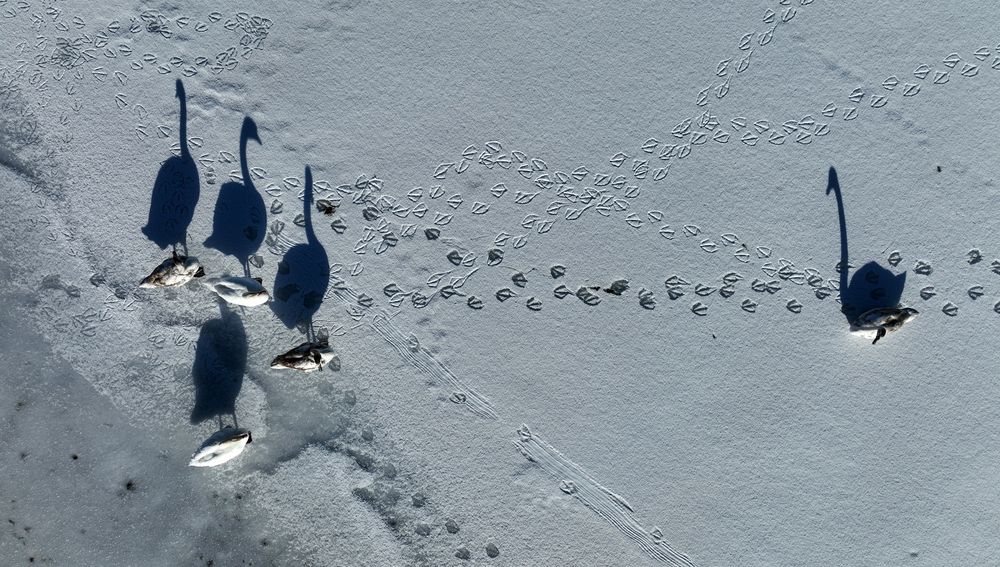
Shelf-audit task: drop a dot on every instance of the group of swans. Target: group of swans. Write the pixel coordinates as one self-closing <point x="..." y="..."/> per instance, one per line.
<point x="870" y="300"/>
<point x="239" y="225"/>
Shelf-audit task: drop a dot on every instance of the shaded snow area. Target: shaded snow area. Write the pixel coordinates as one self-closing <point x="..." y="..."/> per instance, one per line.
<point x="499" y="284"/>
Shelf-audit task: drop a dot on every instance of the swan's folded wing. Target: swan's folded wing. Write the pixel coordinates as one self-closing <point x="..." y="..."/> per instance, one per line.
<point x="221" y="447"/>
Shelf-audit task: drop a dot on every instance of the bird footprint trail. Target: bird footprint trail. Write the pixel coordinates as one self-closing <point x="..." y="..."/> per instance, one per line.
<point x="576" y="482"/>
<point x="608" y="194"/>
<point x="360" y="305"/>
<point x="412" y="352"/>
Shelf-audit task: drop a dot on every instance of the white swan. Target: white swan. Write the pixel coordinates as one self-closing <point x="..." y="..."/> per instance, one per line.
<point x="307" y="357"/>
<point x="238" y="290"/>
<point x="174" y="271"/>
<point x="221" y="447"/>
<point x="879" y="321"/>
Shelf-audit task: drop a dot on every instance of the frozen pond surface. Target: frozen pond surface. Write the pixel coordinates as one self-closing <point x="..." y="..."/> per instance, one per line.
<point x="581" y="267"/>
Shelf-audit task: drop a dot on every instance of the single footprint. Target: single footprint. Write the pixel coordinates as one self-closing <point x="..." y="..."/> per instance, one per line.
<point x="492" y="550"/>
<point x="506" y="293"/>
<point x="617" y="287"/>
<point x="646" y="299"/>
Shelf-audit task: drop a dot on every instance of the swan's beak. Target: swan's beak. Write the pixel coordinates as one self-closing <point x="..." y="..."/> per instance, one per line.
<point x="832" y="182"/>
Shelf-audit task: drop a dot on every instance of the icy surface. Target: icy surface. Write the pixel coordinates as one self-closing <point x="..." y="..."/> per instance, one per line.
<point x="588" y="273"/>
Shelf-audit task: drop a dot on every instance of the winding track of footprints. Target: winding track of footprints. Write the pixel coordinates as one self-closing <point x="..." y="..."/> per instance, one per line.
<point x="51" y="67"/>
<point x="775" y="274"/>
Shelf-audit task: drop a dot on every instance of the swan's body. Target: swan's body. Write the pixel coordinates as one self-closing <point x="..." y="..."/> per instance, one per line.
<point x="175" y="192"/>
<point x="307" y="357"/>
<point x="174" y="271"/>
<point x="221" y="447"/>
<point x="240" y="219"/>
<point x="875" y="323"/>
<point x="248" y="292"/>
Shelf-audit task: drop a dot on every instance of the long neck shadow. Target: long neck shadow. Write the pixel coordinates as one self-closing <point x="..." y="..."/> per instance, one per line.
<point x="833" y="184"/>
<point x="183" y="127"/>
<point x="175" y="191"/>
<point x="303" y="274"/>
<point x="219" y="366"/>
<point x="240" y="218"/>
<point x="871" y="286"/>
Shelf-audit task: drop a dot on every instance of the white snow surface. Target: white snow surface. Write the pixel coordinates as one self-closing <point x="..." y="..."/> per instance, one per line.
<point x="716" y="412"/>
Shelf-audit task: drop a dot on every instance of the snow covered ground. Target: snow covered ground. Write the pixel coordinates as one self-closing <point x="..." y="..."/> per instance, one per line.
<point x="578" y="263"/>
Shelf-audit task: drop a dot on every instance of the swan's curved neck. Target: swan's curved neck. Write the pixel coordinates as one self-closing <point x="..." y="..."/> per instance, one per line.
<point x="843" y="239"/>
<point x="307" y="198"/>
<point x="244" y="168"/>
<point x="183" y="124"/>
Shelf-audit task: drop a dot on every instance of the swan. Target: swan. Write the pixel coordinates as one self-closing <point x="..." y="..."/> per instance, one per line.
<point x="873" y="290"/>
<point x="223" y="446"/>
<point x="240" y="219"/>
<point x="238" y="290"/>
<point x="307" y="357"/>
<point x="174" y="271"/>
<point x="175" y="192"/>
<point x="881" y="320"/>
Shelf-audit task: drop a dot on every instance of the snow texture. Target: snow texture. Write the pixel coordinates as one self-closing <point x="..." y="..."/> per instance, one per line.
<point x="642" y="229"/>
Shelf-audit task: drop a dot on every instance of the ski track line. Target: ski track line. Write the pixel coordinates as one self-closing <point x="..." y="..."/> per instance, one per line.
<point x="576" y="482"/>
<point x="413" y="353"/>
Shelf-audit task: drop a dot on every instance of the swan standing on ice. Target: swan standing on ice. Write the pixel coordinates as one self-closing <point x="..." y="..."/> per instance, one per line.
<point x="307" y="357"/>
<point x="248" y="292"/>
<point x="870" y="301"/>
<point x="223" y="446"/>
<point x="174" y="271"/>
<point x="881" y="320"/>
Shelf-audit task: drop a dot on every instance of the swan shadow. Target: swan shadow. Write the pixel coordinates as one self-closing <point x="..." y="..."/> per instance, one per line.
<point x="175" y="191"/>
<point x="871" y="286"/>
<point x="219" y="365"/>
<point x="240" y="219"/>
<point x="303" y="275"/>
